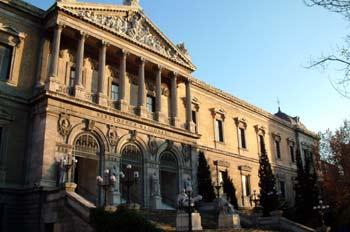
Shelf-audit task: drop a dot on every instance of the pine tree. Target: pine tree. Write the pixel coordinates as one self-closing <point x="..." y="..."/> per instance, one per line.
<point x="267" y="184"/>
<point x="305" y="190"/>
<point x="205" y="185"/>
<point x="229" y="189"/>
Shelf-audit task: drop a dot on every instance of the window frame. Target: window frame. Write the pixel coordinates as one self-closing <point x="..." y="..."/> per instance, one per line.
<point x="151" y="107"/>
<point x="219" y="131"/>
<point x="115" y="93"/>
<point x="10" y="63"/>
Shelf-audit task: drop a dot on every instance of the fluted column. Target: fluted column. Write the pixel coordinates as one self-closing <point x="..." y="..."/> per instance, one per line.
<point x="189" y="121"/>
<point x="79" y="88"/>
<point x="55" y="51"/>
<point x="102" y="95"/>
<point x="173" y="96"/>
<point x="159" y="114"/>
<point x="123" y="105"/>
<point x="141" y="89"/>
<point x="80" y="59"/>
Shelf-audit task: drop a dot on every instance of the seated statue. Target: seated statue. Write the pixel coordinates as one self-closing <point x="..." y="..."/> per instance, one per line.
<point x="225" y="207"/>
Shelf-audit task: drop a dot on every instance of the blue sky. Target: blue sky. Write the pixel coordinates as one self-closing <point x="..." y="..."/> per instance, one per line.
<point x="257" y="51"/>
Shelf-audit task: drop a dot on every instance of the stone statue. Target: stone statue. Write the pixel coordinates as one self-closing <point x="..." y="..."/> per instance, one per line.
<point x="188" y="183"/>
<point x="61" y="172"/>
<point x="155" y="185"/>
<point x="225" y="207"/>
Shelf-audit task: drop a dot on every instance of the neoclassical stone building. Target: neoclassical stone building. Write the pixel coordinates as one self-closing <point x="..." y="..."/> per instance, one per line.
<point x="103" y="84"/>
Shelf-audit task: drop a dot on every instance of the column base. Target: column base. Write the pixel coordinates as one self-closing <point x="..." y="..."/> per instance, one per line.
<point x="79" y="92"/>
<point x="123" y="105"/>
<point x="142" y="112"/>
<point x="226" y="221"/>
<point x="160" y="117"/>
<point x="191" y="127"/>
<point x="52" y="84"/>
<point x="175" y="122"/>
<point x="102" y="99"/>
<point x="156" y="202"/>
<point x="70" y="186"/>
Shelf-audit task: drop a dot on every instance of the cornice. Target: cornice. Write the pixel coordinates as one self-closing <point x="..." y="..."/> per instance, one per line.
<point x="24" y="7"/>
<point x="213" y="90"/>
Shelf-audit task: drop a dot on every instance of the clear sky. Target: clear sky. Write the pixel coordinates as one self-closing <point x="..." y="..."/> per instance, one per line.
<point x="257" y="51"/>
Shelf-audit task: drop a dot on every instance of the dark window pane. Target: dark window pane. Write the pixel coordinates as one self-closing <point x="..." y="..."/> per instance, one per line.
<point x="283" y="189"/>
<point x="248" y="185"/>
<point x="151" y="106"/>
<point x="5" y="61"/>
<point x="219" y="130"/>
<point x="278" y="149"/>
<point x="72" y="77"/>
<point x="291" y="149"/>
<point x="115" y="92"/>
<point x="194" y="117"/>
<point x="242" y="135"/>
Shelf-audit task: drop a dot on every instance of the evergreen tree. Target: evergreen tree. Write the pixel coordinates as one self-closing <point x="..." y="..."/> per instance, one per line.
<point x="229" y="189"/>
<point x="205" y="185"/>
<point x="267" y="184"/>
<point x="305" y="191"/>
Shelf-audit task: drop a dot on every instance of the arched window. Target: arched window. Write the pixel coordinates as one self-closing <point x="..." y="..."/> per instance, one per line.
<point x="131" y="153"/>
<point x="168" y="161"/>
<point x="86" y="145"/>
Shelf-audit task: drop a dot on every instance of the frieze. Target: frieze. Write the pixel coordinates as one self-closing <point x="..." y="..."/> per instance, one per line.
<point x="133" y="27"/>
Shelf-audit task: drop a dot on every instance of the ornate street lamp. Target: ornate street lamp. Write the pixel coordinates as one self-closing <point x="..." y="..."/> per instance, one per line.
<point x="106" y="183"/>
<point x="321" y="208"/>
<point x="190" y="204"/>
<point x="129" y="179"/>
<point x="67" y="163"/>
<point x="255" y="199"/>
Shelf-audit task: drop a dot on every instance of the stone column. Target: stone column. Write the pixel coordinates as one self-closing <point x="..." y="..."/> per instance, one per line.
<point x="174" y="120"/>
<point x="102" y="95"/>
<point x="79" y="89"/>
<point x="141" y="109"/>
<point x="123" y="105"/>
<point x="159" y="115"/>
<point x="52" y="83"/>
<point x="189" y="121"/>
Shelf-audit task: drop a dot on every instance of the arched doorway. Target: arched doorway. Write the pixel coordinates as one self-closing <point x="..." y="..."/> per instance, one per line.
<point x="132" y="155"/>
<point x="168" y="173"/>
<point x="87" y="151"/>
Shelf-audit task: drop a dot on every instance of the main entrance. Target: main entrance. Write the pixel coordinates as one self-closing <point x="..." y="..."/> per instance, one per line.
<point x="132" y="155"/>
<point x="169" y="178"/>
<point x="87" y="151"/>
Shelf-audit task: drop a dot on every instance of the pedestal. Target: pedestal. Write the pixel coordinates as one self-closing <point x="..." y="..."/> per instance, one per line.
<point x="191" y="127"/>
<point x="70" y="186"/>
<point x="142" y="111"/>
<point x="229" y="221"/>
<point x="156" y="202"/>
<point x="175" y="122"/>
<point x="182" y="222"/>
<point x="160" y="117"/>
<point x="123" y="106"/>
<point x="52" y="84"/>
<point x="102" y="99"/>
<point x="79" y="92"/>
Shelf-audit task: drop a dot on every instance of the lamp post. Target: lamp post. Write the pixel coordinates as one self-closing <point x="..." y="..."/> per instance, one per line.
<point x="128" y="179"/>
<point x="255" y="199"/>
<point x="66" y="163"/>
<point x="106" y="183"/>
<point x="321" y="208"/>
<point x="189" y="194"/>
<point x="218" y="182"/>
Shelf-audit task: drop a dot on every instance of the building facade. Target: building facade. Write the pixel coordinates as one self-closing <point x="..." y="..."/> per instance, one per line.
<point x="103" y="85"/>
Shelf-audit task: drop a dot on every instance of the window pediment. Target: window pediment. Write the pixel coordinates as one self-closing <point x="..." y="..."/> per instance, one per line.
<point x="260" y="130"/>
<point x="218" y="113"/>
<point x="14" y="37"/>
<point x="241" y="122"/>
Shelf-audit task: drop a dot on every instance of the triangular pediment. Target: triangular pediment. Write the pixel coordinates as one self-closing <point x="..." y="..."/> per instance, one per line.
<point x="130" y="23"/>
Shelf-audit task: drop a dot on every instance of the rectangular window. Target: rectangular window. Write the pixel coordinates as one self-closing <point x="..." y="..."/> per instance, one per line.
<point x="194" y="119"/>
<point x="246" y="185"/>
<point x="114" y="92"/>
<point x="242" y="140"/>
<point x="5" y="61"/>
<point x="219" y="131"/>
<point x="283" y="189"/>
<point x="262" y="144"/>
<point x="151" y="103"/>
<point x="278" y="149"/>
<point x="72" y="77"/>
<point x="291" y="150"/>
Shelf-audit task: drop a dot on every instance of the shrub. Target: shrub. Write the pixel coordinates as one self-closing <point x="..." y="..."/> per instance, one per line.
<point x="123" y="220"/>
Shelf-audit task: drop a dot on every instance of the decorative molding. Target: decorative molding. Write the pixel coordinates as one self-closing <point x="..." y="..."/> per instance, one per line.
<point x="259" y="129"/>
<point x="222" y="163"/>
<point x="64" y="126"/>
<point x="241" y="122"/>
<point x="133" y="135"/>
<point x="20" y="36"/>
<point x="152" y="144"/>
<point x="218" y="112"/>
<point x="186" y="151"/>
<point x="276" y="136"/>
<point x="112" y="135"/>
<point x="245" y="168"/>
<point x="89" y="124"/>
